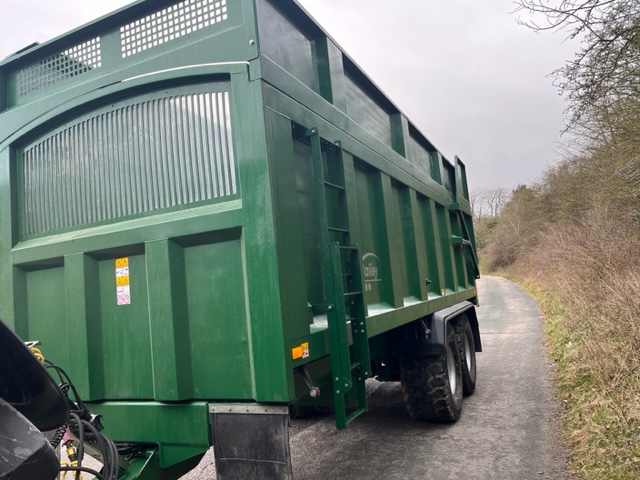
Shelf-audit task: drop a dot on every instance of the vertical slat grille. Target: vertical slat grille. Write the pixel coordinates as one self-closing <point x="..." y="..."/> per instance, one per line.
<point x="131" y="160"/>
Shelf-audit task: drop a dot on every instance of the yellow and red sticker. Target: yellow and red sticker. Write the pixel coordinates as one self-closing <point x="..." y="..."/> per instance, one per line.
<point x="123" y="288"/>
<point x="301" y="351"/>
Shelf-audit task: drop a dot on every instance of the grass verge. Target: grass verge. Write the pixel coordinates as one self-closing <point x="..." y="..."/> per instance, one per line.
<point x="599" y="395"/>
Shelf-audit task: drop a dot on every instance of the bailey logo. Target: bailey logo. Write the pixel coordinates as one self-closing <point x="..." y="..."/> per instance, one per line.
<point x="370" y="270"/>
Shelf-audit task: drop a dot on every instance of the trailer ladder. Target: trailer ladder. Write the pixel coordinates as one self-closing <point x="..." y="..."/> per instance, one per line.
<point x="343" y="283"/>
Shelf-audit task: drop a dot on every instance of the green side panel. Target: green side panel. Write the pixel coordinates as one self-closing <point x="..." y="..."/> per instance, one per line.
<point x="269" y="355"/>
<point x="436" y="166"/>
<point x="291" y="244"/>
<point x="47" y="319"/>
<point x="448" y="177"/>
<point x="458" y="252"/>
<point x="435" y="275"/>
<point x="125" y="332"/>
<point x="152" y="422"/>
<point x="399" y="134"/>
<point x="363" y="106"/>
<point x="419" y="155"/>
<point x="416" y="248"/>
<point x="398" y="240"/>
<point x="371" y="247"/>
<point x="220" y="351"/>
<point x="169" y="320"/>
<point x="308" y="208"/>
<point x="445" y="248"/>
<point x="393" y="284"/>
<point x="85" y="340"/>
<point x="407" y="235"/>
<point x="288" y="45"/>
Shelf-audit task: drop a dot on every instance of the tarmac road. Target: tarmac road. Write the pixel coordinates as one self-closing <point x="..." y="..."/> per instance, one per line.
<point x="508" y="430"/>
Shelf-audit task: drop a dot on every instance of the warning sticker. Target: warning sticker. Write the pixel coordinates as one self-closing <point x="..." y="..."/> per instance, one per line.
<point x="123" y="288"/>
<point x="301" y="351"/>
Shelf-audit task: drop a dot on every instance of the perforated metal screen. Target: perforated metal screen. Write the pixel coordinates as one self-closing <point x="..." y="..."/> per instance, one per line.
<point x="170" y="23"/>
<point x="51" y="70"/>
<point x="158" y="28"/>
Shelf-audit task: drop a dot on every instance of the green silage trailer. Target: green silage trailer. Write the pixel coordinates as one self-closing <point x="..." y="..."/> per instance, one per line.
<point x="210" y="214"/>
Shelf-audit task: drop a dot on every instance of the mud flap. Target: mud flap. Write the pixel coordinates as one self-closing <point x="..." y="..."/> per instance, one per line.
<point x="251" y="441"/>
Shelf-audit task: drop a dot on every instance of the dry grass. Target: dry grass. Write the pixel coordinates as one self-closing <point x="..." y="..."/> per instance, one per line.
<point x="586" y="276"/>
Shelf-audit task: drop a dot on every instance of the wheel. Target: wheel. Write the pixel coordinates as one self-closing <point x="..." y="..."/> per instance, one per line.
<point x="467" y="346"/>
<point x="432" y="386"/>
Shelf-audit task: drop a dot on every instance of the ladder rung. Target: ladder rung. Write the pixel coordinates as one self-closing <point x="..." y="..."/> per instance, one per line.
<point x="347" y="247"/>
<point x="351" y="294"/>
<point x="337" y="229"/>
<point x="353" y="415"/>
<point x="334" y="186"/>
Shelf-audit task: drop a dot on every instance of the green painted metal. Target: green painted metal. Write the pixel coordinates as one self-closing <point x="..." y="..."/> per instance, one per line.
<point x="177" y="427"/>
<point x="274" y="208"/>
<point x="146" y="466"/>
<point x="342" y="282"/>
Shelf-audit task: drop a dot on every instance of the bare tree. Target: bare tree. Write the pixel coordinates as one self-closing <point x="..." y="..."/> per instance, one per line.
<point x="476" y="203"/>
<point x="496" y="199"/>
<point x="488" y="202"/>
<point x="603" y="79"/>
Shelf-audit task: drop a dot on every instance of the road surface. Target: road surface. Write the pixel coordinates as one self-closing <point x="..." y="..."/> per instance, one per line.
<point x="509" y="428"/>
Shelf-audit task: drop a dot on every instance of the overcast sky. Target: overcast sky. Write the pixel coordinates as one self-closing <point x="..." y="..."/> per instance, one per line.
<point x="466" y="74"/>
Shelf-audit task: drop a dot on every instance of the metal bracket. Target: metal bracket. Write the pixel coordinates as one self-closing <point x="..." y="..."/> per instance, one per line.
<point x="320" y="308"/>
<point x="314" y="392"/>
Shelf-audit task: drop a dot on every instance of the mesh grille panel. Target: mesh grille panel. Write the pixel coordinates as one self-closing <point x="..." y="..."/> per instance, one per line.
<point x="138" y="158"/>
<point x="171" y="23"/>
<point x="70" y="63"/>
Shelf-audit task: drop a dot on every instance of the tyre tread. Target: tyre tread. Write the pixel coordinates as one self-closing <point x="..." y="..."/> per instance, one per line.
<point x="426" y="391"/>
<point x="463" y="328"/>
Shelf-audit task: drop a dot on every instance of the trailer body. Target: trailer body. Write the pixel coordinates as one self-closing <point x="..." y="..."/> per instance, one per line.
<point x="207" y="210"/>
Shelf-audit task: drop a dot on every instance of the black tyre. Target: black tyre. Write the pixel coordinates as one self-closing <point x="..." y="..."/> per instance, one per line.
<point x="432" y="386"/>
<point x="467" y="346"/>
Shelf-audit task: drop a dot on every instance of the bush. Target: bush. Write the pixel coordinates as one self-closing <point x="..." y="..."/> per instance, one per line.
<point x="591" y="269"/>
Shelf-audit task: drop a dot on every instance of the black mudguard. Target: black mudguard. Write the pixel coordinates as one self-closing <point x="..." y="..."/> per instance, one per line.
<point x="426" y="336"/>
